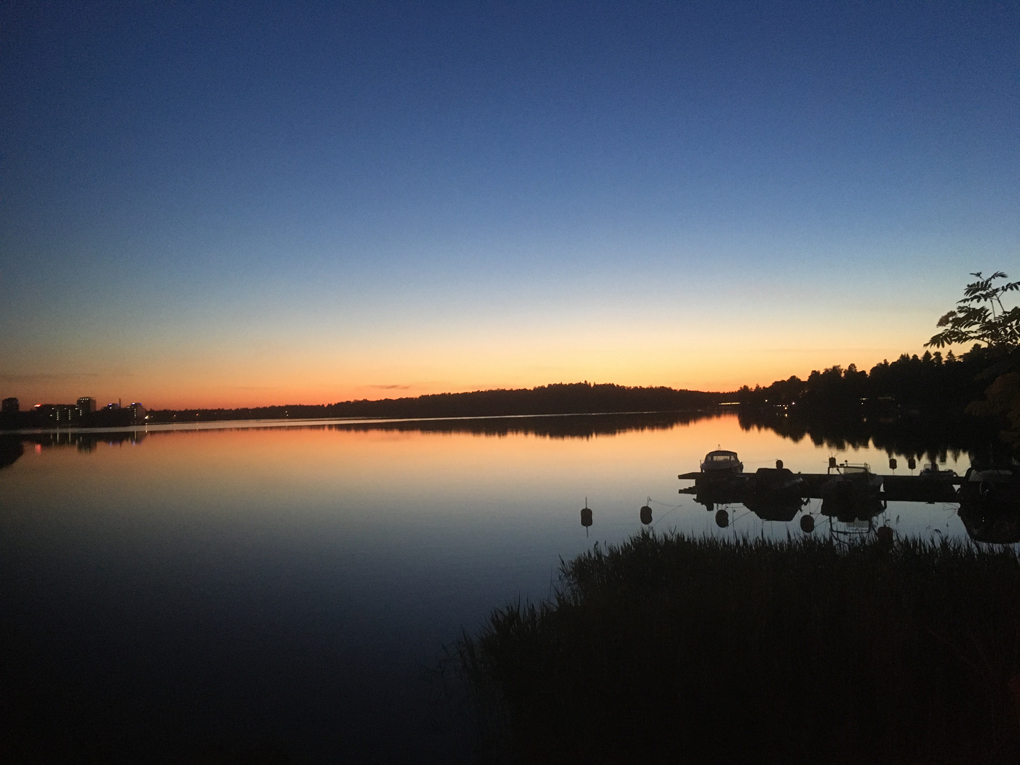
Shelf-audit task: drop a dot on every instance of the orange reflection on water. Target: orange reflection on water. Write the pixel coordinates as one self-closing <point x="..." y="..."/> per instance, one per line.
<point x="392" y="482"/>
<point x="297" y="458"/>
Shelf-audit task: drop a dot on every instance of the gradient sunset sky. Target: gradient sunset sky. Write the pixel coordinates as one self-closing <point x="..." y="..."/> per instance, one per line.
<point x="230" y="204"/>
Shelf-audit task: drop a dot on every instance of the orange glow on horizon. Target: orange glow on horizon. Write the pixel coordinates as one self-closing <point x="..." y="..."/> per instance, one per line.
<point x="177" y="383"/>
<point x="281" y="392"/>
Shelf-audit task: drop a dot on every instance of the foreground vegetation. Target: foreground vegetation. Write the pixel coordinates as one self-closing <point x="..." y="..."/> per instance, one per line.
<point x="672" y="649"/>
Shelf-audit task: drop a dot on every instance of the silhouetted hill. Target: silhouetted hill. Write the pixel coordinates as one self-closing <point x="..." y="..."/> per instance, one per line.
<point x="566" y="398"/>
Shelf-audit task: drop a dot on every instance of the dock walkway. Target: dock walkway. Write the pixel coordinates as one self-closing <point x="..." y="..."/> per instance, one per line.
<point x="896" y="488"/>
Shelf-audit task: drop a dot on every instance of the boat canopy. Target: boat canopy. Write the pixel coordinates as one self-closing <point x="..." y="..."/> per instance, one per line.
<point x="720" y="456"/>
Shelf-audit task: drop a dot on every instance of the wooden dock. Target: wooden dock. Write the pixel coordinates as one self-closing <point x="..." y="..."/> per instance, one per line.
<point x="895" y="488"/>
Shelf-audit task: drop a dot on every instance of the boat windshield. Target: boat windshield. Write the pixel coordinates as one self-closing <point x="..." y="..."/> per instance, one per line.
<point x="721" y="457"/>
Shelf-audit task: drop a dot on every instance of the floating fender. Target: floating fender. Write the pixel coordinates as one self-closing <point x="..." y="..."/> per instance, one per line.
<point x="586" y="517"/>
<point x="722" y="519"/>
<point x="807" y="524"/>
<point x="646" y="515"/>
<point x="892" y="463"/>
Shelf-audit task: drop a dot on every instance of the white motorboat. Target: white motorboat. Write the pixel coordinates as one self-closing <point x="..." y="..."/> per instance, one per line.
<point x="721" y="465"/>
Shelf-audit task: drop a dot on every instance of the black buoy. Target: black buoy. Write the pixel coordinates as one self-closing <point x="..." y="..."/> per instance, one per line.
<point x="892" y="463"/>
<point x="586" y="514"/>
<point x="646" y="515"/>
<point x="722" y="519"/>
<point x="807" y="524"/>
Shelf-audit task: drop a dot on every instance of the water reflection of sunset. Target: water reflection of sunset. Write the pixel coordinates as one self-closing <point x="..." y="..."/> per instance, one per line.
<point x="365" y="472"/>
<point x="358" y="546"/>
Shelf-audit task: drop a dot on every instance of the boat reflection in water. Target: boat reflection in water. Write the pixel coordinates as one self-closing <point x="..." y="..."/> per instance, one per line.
<point x="775" y="494"/>
<point x="990" y="524"/>
<point x="712" y="494"/>
<point x="990" y="505"/>
<point x="853" y="497"/>
<point x="854" y="493"/>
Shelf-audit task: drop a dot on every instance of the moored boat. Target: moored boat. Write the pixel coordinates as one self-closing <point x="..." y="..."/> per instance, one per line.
<point x="936" y="485"/>
<point x="777" y="484"/>
<point x="721" y="465"/>
<point x="999" y="487"/>
<point x="933" y="472"/>
<point x="989" y="521"/>
<point x="853" y="493"/>
<point x="775" y="494"/>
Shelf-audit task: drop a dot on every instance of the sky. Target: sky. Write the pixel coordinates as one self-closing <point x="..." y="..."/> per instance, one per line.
<point x="257" y="203"/>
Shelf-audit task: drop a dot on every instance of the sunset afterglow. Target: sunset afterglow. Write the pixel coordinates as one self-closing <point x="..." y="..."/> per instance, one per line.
<point x="221" y="206"/>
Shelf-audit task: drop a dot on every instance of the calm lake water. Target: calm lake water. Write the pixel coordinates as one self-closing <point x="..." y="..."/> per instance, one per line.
<point x="205" y="592"/>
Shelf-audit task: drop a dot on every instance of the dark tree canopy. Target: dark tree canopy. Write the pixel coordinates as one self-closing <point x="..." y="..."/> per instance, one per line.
<point x="980" y="316"/>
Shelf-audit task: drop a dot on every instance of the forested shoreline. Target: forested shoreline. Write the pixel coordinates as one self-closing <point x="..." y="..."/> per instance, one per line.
<point x="560" y="398"/>
<point x="922" y="406"/>
<point x="915" y="404"/>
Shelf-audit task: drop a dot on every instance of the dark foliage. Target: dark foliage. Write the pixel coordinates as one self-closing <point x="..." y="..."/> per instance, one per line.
<point x="573" y="398"/>
<point x="948" y="397"/>
<point x="915" y="406"/>
<point x="668" y="649"/>
<point x="980" y="315"/>
<point x="925" y="384"/>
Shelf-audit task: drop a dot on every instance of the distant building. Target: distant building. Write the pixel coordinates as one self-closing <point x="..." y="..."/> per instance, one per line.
<point x="56" y="414"/>
<point x="138" y="412"/>
<point x="86" y="405"/>
<point x="10" y="406"/>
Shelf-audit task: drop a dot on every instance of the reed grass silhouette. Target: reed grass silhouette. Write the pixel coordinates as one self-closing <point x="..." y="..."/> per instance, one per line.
<point x="673" y="649"/>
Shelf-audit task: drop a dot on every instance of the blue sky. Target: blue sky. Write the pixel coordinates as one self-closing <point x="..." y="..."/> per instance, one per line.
<point x="267" y="203"/>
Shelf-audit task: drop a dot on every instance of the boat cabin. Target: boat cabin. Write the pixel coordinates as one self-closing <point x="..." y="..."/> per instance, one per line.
<point x="722" y="461"/>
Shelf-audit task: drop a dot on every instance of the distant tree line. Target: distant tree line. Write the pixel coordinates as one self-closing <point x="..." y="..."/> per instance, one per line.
<point x="920" y="405"/>
<point x="563" y="398"/>
<point x="929" y="383"/>
<point x="915" y="405"/>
